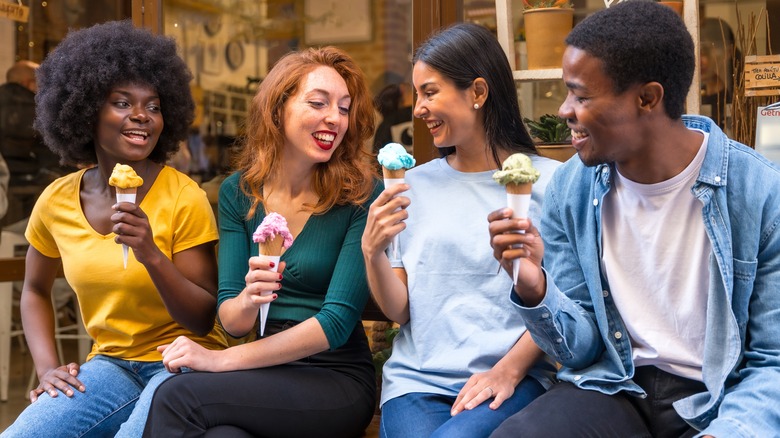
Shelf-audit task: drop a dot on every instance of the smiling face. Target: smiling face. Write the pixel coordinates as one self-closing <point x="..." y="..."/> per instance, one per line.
<point x="447" y="111"/>
<point x="605" y="126"/>
<point x="129" y="122"/>
<point x="316" y="117"/>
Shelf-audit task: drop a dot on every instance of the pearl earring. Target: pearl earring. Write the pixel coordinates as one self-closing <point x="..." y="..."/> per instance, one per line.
<point x="476" y="106"/>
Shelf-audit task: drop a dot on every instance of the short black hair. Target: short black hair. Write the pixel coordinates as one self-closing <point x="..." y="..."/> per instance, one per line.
<point x="464" y="52"/>
<point x="76" y="77"/>
<point x="641" y="41"/>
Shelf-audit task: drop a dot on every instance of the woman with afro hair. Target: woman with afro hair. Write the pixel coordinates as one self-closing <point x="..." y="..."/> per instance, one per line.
<point x="110" y="94"/>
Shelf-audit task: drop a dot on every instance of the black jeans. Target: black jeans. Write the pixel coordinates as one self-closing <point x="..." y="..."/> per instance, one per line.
<point x="332" y="393"/>
<point x="568" y="411"/>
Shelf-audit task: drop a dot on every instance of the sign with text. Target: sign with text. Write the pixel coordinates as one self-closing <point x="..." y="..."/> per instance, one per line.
<point x="14" y="11"/>
<point x="768" y="132"/>
<point x="762" y="75"/>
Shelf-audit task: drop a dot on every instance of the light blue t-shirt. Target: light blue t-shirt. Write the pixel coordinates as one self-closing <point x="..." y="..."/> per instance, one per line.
<point x="460" y="323"/>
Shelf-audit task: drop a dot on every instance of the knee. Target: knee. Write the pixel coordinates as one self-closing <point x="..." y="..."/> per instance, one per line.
<point x="174" y="389"/>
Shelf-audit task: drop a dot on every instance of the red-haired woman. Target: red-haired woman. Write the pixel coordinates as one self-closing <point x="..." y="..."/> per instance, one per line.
<point x="311" y="374"/>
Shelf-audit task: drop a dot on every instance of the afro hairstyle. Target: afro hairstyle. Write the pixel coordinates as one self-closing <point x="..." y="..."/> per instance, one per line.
<point x="76" y="78"/>
<point x="641" y="41"/>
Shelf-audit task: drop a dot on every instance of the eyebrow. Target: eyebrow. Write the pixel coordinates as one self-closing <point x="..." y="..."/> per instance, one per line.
<point x="426" y="85"/>
<point x="574" y="85"/>
<point x="325" y="92"/>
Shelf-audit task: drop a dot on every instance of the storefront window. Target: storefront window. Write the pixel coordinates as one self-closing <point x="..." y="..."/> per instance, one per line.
<point x="230" y="45"/>
<point x="49" y="21"/>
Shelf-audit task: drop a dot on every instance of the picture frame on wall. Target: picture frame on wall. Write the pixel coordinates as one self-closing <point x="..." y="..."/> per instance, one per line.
<point x="337" y="21"/>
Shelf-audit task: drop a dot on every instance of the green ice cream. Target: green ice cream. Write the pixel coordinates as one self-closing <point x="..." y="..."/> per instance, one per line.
<point x="517" y="169"/>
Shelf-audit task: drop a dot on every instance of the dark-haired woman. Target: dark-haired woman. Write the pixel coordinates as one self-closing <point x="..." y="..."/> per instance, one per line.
<point x="461" y="363"/>
<point x="109" y="94"/>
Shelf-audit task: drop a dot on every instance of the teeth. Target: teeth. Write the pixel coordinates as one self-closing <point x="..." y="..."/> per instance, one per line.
<point x="578" y="135"/>
<point x="432" y="125"/>
<point x="324" y="137"/>
<point x="141" y="133"/>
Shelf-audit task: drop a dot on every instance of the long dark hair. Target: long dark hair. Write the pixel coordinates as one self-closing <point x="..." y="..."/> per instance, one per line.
<point x="464" y="52"/>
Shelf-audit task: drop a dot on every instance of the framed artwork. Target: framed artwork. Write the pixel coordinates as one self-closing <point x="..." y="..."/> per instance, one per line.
<point x="337" y="21"/>
<point x="212" y="59"/>
<point x="234" y="54"/>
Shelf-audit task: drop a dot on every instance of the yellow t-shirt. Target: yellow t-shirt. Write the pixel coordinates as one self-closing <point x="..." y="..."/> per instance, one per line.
<point x="122" y="310"/>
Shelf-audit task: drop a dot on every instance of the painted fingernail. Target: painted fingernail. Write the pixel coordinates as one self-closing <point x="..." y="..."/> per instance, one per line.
<point x="280" y="277"/>
<point x="272" y="264"/>
<point x="275" y="296"/>
<point x="279" y="286"/>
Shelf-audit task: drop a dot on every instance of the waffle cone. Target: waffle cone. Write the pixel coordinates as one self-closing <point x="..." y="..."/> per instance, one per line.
<point x="127" y="191"/>
<point x="393" y="174"/>
<point x="272" y="247"/>
<point x="519" y="189"/>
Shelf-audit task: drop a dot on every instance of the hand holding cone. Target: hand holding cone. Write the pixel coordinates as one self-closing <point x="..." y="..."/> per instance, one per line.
<point x="126" y="182"/>
<point x="394" y="161"/>
<point x="518" y="175"/>
<point x="272" y="235"/>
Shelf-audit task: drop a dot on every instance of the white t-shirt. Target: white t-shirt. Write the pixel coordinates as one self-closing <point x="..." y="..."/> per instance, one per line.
<point x="460" y="320"/>
<point x="655" y="254"/>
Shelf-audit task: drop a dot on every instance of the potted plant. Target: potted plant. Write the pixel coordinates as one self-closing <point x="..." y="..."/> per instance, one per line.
<point x="547" y="22"/>
<point x="553" y="135"/>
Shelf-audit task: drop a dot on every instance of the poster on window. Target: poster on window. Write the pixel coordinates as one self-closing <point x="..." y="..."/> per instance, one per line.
<point x="768" y="132"/>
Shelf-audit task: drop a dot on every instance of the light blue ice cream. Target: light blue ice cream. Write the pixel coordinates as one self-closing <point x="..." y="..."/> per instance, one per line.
<point x="393" y="156"/>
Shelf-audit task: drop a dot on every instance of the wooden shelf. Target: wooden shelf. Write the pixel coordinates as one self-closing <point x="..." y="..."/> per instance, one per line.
<point x="506" y="37"/>
<point x="537" y="75"/>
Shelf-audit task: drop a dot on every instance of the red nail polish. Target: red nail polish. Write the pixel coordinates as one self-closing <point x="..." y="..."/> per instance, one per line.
<point x="280" y="277"/>
<point x="279" y="286"/>
<point x="272" y="264"/>
<point x="276" y="296"/>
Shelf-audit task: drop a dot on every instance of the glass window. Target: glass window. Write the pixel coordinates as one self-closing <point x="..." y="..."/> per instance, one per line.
<point x="230" y="45"/>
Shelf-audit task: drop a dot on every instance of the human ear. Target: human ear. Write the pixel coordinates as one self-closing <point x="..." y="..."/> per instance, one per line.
<point x="650" y="95"/>
<point x="480" y="90"/>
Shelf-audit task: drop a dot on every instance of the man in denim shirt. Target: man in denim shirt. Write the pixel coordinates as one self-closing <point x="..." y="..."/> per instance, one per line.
<point x="660" y="295"/>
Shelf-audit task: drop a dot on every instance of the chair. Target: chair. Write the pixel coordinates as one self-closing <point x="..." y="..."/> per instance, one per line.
<point x="11" y="246"/>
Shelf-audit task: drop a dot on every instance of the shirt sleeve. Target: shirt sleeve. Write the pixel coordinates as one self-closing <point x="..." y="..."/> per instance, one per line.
<point x="564" y="323"/>
<point x="194" y="222"/>
<point x="234" y="248"/>
<point x="348" y="290"/>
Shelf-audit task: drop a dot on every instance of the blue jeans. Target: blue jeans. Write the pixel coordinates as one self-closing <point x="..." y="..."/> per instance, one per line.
<point x="118" y="395"/>
<point x="426" y="415"/>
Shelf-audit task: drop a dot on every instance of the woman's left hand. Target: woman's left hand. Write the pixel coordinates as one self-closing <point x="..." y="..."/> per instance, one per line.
<point x="184" y="352"/>
<point x="484" y="386"/>
<point x="131" y="226"/>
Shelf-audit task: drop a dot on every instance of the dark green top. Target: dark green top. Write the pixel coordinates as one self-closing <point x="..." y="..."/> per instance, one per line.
<point x="325" y="275"/>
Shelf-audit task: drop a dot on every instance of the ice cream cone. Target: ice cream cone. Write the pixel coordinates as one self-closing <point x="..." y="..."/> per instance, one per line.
<point x="126" y="195"/>
<point x="518" y="175"/>
<point x="126" y="182"/>
<point x="272" y="236"/>
<point x="518" y="198"/>
<point x="270" y="250"/>
<point x="393" y="177"/>
<point x="272" y="247"/>
<point x="519" y="189"/>
<point x="393" y="173"/>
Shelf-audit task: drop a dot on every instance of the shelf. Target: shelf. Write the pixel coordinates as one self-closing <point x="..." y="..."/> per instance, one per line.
<point x="537" y="75"/>
<point x="506" y="37"/>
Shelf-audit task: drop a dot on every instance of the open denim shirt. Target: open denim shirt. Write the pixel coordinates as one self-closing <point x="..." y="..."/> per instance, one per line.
<point x="579" y="325"/>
